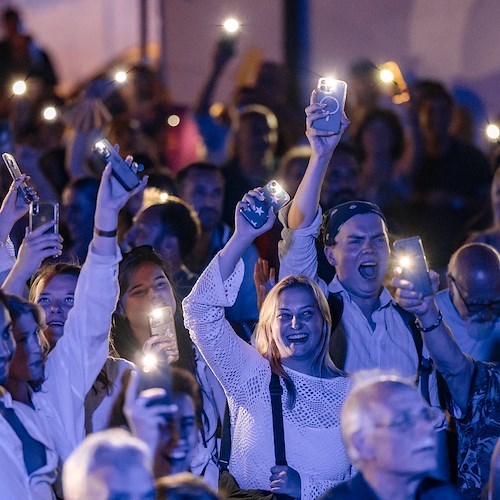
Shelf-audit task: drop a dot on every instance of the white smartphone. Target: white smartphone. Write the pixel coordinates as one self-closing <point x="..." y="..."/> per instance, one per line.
<point x="332" y="93"/>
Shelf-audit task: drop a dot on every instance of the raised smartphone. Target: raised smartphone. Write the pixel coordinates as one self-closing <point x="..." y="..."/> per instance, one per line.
<point x="15" y="173"/>
<point x="161" y="323"/>
<point x="122" y="171"/>
<point x="410" y="256"/>
<point x="332" y="93"/>
<point x="274" y="196"/>
<point x="397" y="87"/>
<point x="158" y="376"/>
<point x="42" y="212"/>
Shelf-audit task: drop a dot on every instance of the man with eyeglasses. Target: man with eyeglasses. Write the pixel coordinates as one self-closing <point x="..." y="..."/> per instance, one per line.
<point x="474" y="386"/>
<point x="471" y="304"/>
<point x="389" y="433"/>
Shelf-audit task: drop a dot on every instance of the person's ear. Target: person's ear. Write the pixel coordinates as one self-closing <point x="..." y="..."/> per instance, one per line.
<point x="364" y="450"/>
<point x="448" y="281"/>
<point x="329" y="255"/>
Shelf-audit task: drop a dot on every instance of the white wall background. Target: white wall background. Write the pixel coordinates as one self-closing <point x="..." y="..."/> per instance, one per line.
<point x="452" y="40"/>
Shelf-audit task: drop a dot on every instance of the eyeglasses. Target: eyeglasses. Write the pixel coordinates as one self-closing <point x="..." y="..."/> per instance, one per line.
<point x="406" y="421"/>
<point x="475" y="308"/>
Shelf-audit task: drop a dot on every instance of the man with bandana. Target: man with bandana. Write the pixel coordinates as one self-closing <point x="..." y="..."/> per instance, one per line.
<point x="373" y="332"/>
<point x="471" y="304"/>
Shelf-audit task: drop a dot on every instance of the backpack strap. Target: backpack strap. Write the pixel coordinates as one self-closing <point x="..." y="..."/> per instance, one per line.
<point x="425" y="365"/>
<point x="338" y="338"/>
<point x="338" y="341"/>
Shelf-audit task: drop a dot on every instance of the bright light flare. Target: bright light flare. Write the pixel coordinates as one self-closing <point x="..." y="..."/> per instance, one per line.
<point x="173" y="120"/>
<point x="386" y="75"/>
<point x="164" y="197"/>
<point x="405" y="261"/>
<point x="493" y="132"/>
<point x="157" y="313"/>
<point x="231" y="25"/>
<point x="121" y="76"/>
<point x="330" y="81"/>
<point x="49" y="113"/>
<point x="149" y="362"/>
<point x="19" y="87"/>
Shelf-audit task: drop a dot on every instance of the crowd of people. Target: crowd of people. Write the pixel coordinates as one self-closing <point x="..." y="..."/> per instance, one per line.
<point x="304" y="363"/>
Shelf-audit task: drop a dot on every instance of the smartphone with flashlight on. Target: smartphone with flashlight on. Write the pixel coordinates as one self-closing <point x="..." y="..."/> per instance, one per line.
<point x="162" y="326"/>
<point x="395" y="84"/>
<point x="410" y="256"/>
<point x="43" y="212"/>
<point x="15" y="173"/>
<point x="155" y="374"/>
<point x="122" y="171"/>
<point x="274" y="196"/>
<point x="332" y="93"/>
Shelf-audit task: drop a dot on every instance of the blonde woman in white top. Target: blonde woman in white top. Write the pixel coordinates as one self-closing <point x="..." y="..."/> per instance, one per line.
<point x="291" y="340"/>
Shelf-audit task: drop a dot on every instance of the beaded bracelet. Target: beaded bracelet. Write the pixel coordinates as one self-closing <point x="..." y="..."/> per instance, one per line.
<point x="428" y="329"/>
<point x="105" y="234"/>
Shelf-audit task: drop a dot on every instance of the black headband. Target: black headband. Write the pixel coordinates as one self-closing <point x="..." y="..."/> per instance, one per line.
<point x="336" y="216"/>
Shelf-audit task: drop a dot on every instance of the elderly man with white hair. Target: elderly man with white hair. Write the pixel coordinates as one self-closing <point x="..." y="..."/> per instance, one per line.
<point x="109" y="464"/>
<point x="389" y="433"/>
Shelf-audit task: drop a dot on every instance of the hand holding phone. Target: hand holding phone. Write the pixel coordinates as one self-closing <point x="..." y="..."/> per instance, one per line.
<point x="142" y="407"/>
<point x="122" y="171"/>
<point x="332" y="93"/>
<point x="274" y="196"/>
<point x="26" y="192"/>
<point x="411" y="258"/>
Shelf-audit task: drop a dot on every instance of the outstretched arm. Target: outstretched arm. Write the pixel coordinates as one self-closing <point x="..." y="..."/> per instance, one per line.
<point x="456" y="368"/>
<point x="79" y="355"/>
<point x="230" y="358"/>
<point x="13" y="209"/>
<point x="224" y="51"/>
<point x="306" y="201"/>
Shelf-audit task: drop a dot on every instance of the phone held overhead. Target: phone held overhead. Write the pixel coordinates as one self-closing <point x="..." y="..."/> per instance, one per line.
<point x="25" y="192"/>
<point x="332" y="93"/>
<point x="122" y="171"/>
<point x="274" y="196"/>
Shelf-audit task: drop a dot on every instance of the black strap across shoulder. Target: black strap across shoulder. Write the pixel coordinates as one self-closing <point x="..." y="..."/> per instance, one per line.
<point x="276" y="392"/>
<point x="279" y="434"/>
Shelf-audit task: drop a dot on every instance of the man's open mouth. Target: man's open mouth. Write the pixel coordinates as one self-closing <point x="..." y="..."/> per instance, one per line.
<point x="368" y="270"/>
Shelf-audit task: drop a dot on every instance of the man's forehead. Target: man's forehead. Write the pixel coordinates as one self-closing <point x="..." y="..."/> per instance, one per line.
<point x="363" y="223"/>
<point x="392" y="401"/>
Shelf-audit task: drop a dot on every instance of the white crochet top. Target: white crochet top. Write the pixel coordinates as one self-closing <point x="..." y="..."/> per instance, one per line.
<point x="313" y="440"/>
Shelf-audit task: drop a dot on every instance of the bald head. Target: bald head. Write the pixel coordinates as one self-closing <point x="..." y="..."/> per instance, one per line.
<point x="474" y="276"/>
<point x="475" y="263"/>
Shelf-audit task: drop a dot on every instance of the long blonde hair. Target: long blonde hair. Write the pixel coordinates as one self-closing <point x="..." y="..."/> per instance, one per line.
<point x="263" y="336"/>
